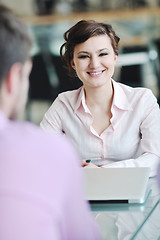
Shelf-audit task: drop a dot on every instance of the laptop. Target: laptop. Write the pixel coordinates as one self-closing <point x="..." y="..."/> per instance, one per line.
<point x="116" y="185"/>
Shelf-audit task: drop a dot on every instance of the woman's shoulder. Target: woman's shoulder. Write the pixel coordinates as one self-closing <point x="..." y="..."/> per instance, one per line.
<point x="136" y="91"/>
<point x="135" y="96"/>
<point x="68" y="94"/>
<point x="66" y="100"/>
<point x="69" y="97"/>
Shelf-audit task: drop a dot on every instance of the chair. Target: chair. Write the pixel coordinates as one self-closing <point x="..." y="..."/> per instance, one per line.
<point x="131" y="60"/>
<point x="40" y="85"/>
<point x="138" y="67"/>
<point x="66" y="83"/>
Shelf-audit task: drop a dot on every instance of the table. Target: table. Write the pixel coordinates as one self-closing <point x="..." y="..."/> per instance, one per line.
<point x="129" y="222"/>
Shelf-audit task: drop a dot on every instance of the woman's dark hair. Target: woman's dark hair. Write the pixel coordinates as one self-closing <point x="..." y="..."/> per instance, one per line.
<point x="82" y="31"/>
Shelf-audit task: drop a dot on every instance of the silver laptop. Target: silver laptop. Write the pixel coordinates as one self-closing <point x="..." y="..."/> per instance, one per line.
<point x="116" y="185"/>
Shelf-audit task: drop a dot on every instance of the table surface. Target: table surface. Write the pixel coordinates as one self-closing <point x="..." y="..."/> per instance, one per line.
<point x="128" y="222"/>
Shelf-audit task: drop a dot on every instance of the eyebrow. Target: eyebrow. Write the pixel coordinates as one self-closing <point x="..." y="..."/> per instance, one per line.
<point x="82" y="52"/>
<point x="100" y="50"/>
<point x="103" y="49"/>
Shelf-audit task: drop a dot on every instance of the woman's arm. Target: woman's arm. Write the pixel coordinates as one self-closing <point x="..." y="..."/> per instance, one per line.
<point x="52" y="121"/>
<point x="145" y="160"/>
<point x="150" y="138"/>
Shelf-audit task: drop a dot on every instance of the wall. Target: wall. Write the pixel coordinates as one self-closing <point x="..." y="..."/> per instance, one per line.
<point x="20" y="7"/>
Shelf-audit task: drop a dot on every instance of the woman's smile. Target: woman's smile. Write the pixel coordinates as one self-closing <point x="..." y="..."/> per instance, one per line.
<point x="92" y="62"/>
<point x="96" y="74"/>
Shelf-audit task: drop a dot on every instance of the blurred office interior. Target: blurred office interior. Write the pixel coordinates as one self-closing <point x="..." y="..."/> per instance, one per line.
<point x="136" y="22"/>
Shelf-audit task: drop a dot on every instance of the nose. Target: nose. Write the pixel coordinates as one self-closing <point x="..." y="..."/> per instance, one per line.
<point x="94" y="62"/>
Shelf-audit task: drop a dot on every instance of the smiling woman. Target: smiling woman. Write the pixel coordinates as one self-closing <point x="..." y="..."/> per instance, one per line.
<point x="94" y="61"/>
<point x="81" y="32"/>
<point x="111" y="124"/>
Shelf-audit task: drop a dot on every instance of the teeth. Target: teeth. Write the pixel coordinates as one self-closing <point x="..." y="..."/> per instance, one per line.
<point x="95" y="73"/>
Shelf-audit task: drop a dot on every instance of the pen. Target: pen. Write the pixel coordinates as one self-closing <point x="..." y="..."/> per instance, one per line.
<point x="88" y="161"/>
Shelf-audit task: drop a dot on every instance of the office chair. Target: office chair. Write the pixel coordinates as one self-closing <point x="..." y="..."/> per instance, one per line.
<point x="66" y="83"/>
<point x="40" y="85"/>
<point x="132" y="60"/>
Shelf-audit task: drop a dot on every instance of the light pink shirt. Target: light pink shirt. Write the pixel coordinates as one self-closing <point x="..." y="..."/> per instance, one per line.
<point x="132" y="139"/>
<point x="41" y="193"/>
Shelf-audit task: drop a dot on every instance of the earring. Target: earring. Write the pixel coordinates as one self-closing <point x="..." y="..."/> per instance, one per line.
<point x="76" y="74"/>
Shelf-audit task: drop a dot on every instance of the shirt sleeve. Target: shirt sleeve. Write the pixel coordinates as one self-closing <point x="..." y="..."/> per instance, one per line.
<point x="150" y="137"/>
<point x="145" y="160"/>
<point x="51" y="121"/>
<point x="24" y="218"/>
<point x="77" y="214"/>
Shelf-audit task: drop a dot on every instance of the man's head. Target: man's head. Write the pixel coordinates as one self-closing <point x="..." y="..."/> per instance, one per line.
<point x="15" y="65"/>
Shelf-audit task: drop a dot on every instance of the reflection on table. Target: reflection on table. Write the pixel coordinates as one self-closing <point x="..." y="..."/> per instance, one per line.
<point x="128" y="222"/>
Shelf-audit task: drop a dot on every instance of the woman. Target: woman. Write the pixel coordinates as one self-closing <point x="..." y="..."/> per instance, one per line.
<point x="110" y="123"/>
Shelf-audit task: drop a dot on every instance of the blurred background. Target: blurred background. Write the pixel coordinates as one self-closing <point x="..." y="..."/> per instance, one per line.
<point x="136" y="22"/>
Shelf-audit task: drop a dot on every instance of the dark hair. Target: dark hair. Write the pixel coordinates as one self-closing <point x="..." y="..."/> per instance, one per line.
<point x="82" y="31"/>
<point x="15" y="42"/>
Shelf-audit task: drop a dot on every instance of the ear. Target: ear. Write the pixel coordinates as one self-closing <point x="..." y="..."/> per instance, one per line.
<point x="72" y="64"/>
<point x="13" y="77"/>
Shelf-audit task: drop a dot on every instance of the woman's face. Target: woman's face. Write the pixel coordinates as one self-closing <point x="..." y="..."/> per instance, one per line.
<point x="94" y="61"/>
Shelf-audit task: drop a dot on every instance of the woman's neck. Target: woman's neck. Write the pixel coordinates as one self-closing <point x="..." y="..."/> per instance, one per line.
<point x="99" y="97"/>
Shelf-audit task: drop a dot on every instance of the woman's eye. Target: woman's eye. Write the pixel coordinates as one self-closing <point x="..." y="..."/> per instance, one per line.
<point x="83" y="56"/>
<point x="103" y="54"/>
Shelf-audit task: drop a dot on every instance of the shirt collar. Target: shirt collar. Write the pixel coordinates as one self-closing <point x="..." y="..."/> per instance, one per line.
<point x="120" y="99"/>
<point x="121" y="93"/>
<point x="81" y="100"/>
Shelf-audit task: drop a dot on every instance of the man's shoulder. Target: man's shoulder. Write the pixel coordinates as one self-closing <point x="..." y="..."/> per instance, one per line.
<point x="30" y="141"/>
<point x="31" y="134"/>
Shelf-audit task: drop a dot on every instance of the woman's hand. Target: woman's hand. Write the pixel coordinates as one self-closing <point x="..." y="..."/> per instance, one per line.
<point x="87" y="163"/>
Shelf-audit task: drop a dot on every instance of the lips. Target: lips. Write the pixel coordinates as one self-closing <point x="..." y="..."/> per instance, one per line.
<point x="94" y="74"/>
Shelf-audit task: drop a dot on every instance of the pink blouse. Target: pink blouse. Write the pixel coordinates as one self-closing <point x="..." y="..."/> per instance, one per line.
<point x="132" y="139"/>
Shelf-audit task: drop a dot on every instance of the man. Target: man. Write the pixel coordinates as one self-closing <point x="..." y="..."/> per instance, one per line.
<point x="41" y="193"/>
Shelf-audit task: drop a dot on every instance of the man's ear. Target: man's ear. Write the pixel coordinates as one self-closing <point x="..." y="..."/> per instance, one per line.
<point x="72" y="64"/>
<point x="13" y="77"/>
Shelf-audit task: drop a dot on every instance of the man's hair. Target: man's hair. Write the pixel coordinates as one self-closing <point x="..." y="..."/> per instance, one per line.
<point x="15" y="42"/>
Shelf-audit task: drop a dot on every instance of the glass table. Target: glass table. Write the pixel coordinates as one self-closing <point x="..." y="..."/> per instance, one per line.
<point x="130" y="221"/>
